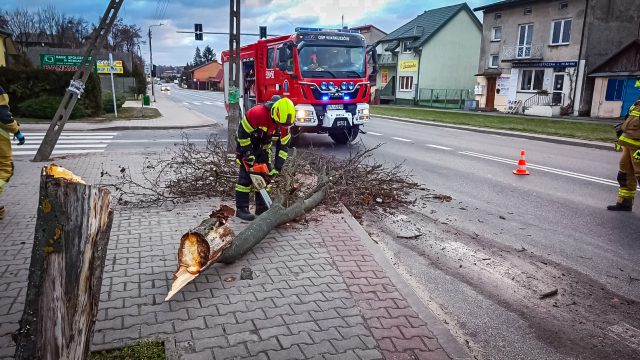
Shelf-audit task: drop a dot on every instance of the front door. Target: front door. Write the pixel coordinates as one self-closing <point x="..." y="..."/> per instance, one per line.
<point x="491" y="93"/>
<point x="630" y="95"/>
<point x="558" y="87"/>
<point x="525" y="34"/>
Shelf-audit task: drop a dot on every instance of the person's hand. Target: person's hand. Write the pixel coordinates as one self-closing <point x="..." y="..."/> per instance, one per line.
<point x="20" y="138"/>
<point x="273" y="172"/>
<point x="249" y="160"/>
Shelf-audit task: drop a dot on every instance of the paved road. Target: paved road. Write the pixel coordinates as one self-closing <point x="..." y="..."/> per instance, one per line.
<point x="557" y="214"/>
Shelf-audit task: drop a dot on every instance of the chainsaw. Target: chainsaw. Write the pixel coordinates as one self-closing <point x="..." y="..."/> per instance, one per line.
<point x="259" y="174"/>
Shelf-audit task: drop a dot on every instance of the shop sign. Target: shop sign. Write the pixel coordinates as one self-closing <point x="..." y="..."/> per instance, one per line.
<point x="409" y="65"/>
<point x="61" y="62"/>
<point x="545" y="64"/>
<point x="502" y="85"/>
<point x="384" y="76"/>
<point x="103" y="67"/>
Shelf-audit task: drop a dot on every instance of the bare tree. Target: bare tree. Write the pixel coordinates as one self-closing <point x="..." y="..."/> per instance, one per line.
<point x="23" y="25"/>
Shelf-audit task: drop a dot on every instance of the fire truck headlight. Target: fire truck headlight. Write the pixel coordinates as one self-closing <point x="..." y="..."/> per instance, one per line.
<point x="363" y="114"/>
<point x="352" y="85"/>
<point x="331" y="86"/>
<point x="304" y="116"/>
<point x="343" y="86"/>
<point x="323" y="86"/>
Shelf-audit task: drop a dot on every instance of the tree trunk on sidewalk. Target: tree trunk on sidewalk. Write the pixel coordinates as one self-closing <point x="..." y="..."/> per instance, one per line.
<point x="67" y="260"/>
<point x="212" y="241"/>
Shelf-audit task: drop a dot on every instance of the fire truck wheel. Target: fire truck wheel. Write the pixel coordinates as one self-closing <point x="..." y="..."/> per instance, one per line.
<point x="344" y="135"/>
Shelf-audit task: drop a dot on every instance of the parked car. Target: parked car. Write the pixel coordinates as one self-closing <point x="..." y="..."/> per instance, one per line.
<point x="165" y="87"/>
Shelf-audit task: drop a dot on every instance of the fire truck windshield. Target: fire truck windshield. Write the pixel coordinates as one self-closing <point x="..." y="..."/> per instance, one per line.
<point x="332" y="62"/>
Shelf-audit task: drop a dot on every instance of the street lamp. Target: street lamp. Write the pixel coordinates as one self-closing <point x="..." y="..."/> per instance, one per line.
<point x="151" y="63"/>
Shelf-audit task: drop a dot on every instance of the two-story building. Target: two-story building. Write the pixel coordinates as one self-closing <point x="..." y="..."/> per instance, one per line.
<point x="438" y="50"/>
<point x="6" y="46"/>
<point x="536" y="54"/>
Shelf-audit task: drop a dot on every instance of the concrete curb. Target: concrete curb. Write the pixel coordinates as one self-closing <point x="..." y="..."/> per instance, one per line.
<point x="448" y="342"/>
<point x="545" y="138"/>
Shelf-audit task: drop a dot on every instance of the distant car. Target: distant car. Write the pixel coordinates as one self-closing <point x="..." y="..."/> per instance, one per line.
<point x="175" y="82"/>
<point x="165" y="88"/>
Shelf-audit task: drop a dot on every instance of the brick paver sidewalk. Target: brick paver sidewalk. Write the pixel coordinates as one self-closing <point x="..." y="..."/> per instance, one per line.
<point x="317" y="292"/>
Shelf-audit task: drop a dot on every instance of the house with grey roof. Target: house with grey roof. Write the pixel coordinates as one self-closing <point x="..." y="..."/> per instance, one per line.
<point x="436" y="51"/>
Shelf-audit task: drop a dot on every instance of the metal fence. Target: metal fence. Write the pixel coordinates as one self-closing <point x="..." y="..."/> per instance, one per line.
<point x="444" y="98"/>
<point x="124" y="86"/>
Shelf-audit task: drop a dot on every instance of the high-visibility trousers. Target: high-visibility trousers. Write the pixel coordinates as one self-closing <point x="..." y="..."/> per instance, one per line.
<point x="629" y="174"/>
<point x="6" y="160"/>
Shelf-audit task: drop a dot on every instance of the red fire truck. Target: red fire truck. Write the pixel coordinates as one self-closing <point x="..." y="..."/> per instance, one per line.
<point x="324" y="72"/>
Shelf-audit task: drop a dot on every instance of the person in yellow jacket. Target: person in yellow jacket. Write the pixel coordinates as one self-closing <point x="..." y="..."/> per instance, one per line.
<point x="8" y="128"/>
<point x="629" y="174"/>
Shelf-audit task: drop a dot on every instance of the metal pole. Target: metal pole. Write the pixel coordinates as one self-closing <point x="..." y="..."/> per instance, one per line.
<point x="113" y="88"/>
<point x="153" y="94"/>
<point x="235" y="113"/>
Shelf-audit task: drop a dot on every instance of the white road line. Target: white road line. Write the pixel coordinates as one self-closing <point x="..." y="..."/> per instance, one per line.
<point x="58" y="152"/>
<point x="401" y="139"/>
<point x="373" y="133"/>
<point x="157" y="140"/>
<point x="208" y="102"/>
<point x="73" y="133"/>
<point x="59" y="146"/>
<point x="65" y="137"/>
<point x="544" y="168"/>
<point x="185" y="103"/>
<point x="438" y="147"/>
<point x="195" y="103"/>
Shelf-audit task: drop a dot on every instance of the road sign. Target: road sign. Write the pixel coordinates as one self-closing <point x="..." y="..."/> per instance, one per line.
<point x="103" y="67"/>
<point x="61" y="62"/>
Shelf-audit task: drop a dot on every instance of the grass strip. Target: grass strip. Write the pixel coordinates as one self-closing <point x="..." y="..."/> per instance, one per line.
<point x="142" y="350"/>
<point x="564" y="128"/>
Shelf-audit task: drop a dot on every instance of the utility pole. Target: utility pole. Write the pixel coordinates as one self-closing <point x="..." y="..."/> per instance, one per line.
<point x="76" y="87"/>
<point x="153" y="94"/>
<point x="235" y="113"/>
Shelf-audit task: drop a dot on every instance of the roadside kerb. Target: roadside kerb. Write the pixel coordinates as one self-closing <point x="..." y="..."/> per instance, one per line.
<point x="546" y="138"/>
<point x="448" y="342"/>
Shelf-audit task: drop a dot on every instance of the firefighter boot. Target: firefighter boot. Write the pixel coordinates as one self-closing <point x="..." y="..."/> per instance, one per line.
<point x="1" y="212"/>
<point x="623" y="205"/>
<point x="260" y="205"/>
<point x="244" y="214"/>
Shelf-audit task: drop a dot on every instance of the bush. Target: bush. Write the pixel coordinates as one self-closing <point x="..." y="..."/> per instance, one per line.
<point x="27" y="84"/>
<point x="107" y="102"/>
<point x="45" y="107"/>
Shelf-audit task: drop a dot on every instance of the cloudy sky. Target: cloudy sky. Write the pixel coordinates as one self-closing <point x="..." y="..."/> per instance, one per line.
<point x="280" y="16"/>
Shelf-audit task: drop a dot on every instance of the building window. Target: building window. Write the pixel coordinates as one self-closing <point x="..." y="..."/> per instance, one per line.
<point x="406" y="83"/>
<point x="270" y="58"/>
<point x="561" y="32"/>
<point x="496" y="33"/>
<point x="406" y="48"/>
<point x="532" y="80"/>
<point x="564" y="5"/>
<point x="527" y="11"/>
<point x="614" y="90"/>
<point x="497" y="16"/>
<point x="494" y="60"/>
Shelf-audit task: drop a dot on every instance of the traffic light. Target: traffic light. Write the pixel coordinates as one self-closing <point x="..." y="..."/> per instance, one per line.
<point x="153" y="71"/>
<point x="263" y="32"/>
<point x="198" y="31"/>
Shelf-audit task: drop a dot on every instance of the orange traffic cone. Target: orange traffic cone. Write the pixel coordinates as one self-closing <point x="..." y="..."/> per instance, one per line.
<point x="522" y="165"/>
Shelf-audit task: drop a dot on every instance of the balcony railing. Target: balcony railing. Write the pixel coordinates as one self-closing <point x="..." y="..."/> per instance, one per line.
<point x="517" y="52"/>
<point x="387" y="59"/>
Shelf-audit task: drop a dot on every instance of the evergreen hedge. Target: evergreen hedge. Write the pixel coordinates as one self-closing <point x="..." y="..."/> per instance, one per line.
<point x="30" y="84"/>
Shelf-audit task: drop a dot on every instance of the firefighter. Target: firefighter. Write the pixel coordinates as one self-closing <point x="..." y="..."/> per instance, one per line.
<point x="260" y="127"/>
<point x="629" y="174"/>
<point x="8" y="127"/>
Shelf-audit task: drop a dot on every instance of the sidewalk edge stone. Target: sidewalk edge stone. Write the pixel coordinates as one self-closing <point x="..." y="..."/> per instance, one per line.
<point x="448" y="342"/>
<point x="546" y="138"/>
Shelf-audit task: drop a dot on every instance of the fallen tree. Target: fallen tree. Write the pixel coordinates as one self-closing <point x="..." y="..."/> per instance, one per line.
<point x="310" y="178"/>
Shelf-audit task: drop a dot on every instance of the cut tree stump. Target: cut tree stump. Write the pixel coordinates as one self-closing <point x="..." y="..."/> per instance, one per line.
<point x="213" y="241"/>
<point x="65" y="275"/>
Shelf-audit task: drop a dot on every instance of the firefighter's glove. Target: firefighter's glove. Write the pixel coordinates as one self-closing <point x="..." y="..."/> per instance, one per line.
<point x="273" y="172"/>
<point x="249" y="160"/>
<point x="20" y="138"/>
<point x="618" y="130"/>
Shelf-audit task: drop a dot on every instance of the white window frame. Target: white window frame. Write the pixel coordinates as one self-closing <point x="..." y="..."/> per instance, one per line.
<point x="493" y="33"/>
<point x="533" y="80"/>
<point x="562" y="24"/>
<point x="491" y="66"/>
<point x="401" y="82"/>
<point x="524" y="50"/>
<point x="404" y="47"/>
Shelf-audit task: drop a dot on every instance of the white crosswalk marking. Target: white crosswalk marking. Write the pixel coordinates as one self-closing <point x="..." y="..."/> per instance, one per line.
<point x="71" y="142"/>
<point x="401" y="139"/>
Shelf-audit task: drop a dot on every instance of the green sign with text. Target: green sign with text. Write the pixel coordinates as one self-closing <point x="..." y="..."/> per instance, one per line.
<point x="61" y="62"/>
